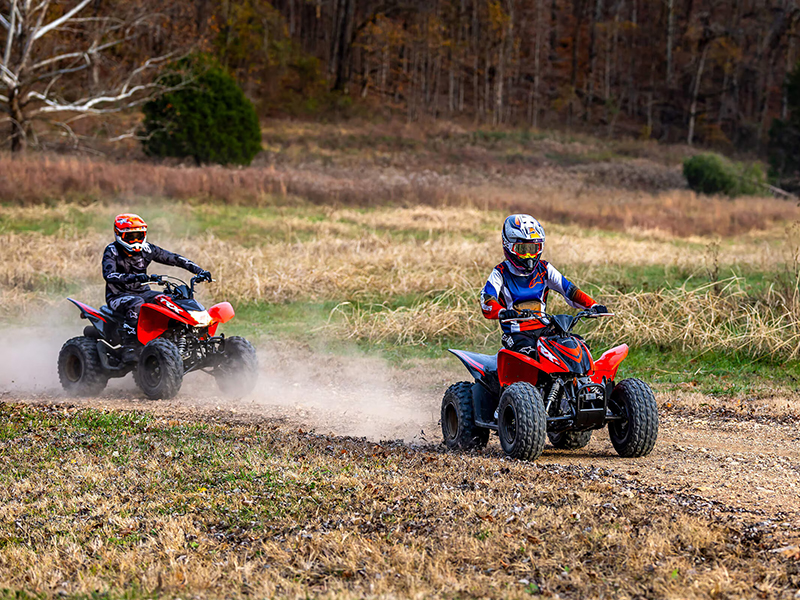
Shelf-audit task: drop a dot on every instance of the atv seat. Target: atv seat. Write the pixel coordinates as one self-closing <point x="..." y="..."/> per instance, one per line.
<point x="482" y="363"/>
<point x="107" y="312"/>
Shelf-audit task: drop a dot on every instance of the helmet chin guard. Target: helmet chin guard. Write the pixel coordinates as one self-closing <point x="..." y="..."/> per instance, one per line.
<point x="523" y="242"/>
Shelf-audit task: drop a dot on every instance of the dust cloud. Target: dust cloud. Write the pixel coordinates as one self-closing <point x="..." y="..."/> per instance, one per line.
<point x="351" y="394"/>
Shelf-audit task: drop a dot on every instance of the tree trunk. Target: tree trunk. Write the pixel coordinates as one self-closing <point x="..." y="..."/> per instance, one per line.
<point x="577" y="8"/>
<point x="343" y="44"/>
<point x="19" y="125"/>
<point x="537" y="45"/>
<point x="695" y="93"/>
<point x="670" y="33"/>
<point x="596" y="16"/>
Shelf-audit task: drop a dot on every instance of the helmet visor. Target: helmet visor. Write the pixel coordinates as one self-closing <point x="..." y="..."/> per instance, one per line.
<point x="132" y="237"/>
<point x="528" y="249"/>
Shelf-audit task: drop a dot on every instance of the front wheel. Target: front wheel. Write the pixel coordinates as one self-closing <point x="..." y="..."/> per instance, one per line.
<point x="458" y="419"/>
<point x="159" y="373"/>
<point x="79" y="369"/>
<point x="237" y="372"/>
<point x="635" y="435"/>
<point x="570" y="440"/>
<point x="522" y="422"/>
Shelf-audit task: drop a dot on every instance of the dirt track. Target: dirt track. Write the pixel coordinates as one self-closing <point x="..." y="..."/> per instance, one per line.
<point x="742" y="464"/>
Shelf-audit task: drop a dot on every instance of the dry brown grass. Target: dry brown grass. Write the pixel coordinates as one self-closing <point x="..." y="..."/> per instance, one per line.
<point x="717" y="317"/>
<point x="175" y="508"/>
<point x="439" y="258"/>
<point x="585" y="196"/>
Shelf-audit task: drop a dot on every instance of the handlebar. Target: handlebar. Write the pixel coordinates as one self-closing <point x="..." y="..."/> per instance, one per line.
<point x="168" y="280"/>
<point x="545" y="317"/>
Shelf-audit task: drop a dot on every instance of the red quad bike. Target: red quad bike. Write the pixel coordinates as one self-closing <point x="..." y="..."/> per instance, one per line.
<point x="175" y="336"/>
<point x="559" y="392"/>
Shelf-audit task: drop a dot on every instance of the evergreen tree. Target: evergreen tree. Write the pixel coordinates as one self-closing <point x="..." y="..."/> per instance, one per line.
<point x="210" y="119"/>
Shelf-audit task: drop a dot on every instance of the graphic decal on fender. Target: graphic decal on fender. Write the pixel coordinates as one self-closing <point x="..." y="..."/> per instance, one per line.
<point x="545" y="351"/>
<point x="172" y="306"/>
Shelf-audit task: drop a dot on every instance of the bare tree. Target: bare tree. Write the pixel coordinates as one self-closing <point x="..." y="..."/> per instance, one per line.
<point x="47" y="47"/>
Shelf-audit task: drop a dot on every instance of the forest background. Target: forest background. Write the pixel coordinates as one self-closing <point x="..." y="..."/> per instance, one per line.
<point x="695" y="71"/>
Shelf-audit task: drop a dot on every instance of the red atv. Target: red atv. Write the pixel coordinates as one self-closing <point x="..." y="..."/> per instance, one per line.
<point x="560" y="393"/>
<point x="175" y="336"/>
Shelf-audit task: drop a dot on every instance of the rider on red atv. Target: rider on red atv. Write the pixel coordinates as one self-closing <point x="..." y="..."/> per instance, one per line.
<point x="125" y="263"/>
<point x="522" y="283"/>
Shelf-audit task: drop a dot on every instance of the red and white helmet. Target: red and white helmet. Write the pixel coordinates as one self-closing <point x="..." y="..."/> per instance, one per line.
<point x="130" y="232"/>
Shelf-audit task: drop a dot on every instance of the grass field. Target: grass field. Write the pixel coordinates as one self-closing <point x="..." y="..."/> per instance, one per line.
<point x="125" y="505"/>
<point x="406" y="279"/>
<point x="377" y="242"/>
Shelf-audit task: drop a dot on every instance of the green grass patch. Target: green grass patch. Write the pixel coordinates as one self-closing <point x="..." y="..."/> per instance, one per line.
<point x="714" y="373"/>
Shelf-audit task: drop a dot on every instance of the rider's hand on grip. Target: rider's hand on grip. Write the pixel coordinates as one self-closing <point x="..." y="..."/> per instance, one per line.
<point x="507" y="313"/>
<point x="141" y="278"/>
<point x="204" y="276"/>
<point x="599" y="309"/>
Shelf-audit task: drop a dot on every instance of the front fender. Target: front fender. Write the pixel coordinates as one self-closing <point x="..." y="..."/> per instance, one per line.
<point x="607" y="365"/>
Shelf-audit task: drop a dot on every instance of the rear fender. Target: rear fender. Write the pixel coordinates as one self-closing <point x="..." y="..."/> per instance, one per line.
<point x="475" y="368"/>
<point x="154" y="320"/>
<point x="95" y="317"/>
<point x="607" y="365"/>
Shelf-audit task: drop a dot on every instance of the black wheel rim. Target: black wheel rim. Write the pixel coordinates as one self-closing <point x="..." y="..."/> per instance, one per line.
<point x="450" y="422"/>
<point x="73" y="367"/>
<point x="620" y="430"/>
<point x="508" y="424"/>
<point x="151" y="371"/>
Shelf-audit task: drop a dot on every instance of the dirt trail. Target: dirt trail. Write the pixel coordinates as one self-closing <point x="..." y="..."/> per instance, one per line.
<point x="750" y="464"/>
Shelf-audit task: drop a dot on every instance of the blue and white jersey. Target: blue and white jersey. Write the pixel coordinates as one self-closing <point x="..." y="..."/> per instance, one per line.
<point x="508" y="288"/>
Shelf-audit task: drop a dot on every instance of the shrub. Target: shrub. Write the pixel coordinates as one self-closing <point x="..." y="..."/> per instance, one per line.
<point x="210" y="119"/>
<point x="713" y="174"/>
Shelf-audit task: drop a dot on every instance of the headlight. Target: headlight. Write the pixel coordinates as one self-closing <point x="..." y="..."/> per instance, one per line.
<point x="202" y="317"/>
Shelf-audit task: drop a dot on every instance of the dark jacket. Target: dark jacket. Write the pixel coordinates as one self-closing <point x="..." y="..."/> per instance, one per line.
<point x="120" y="268"/>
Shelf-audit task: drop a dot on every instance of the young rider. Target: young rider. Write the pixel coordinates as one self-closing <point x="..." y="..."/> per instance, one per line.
<point x="125" y="263"/>
<point x="519" y="285"/>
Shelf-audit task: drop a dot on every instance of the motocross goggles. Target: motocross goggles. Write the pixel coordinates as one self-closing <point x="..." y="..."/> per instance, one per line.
<point x="133" y="237"/>
<point x="528" y="249"/>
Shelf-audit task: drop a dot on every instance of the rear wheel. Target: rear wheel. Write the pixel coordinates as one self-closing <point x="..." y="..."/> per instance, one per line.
<point x="522" y="422"/>
<point x="237" y="373"/>
<point x="570" y="440"/>
<point x="159" y="373"/>
<point x="636" y="434"/>
<point x="458" y="419"/>
<point x="79" y="369"/>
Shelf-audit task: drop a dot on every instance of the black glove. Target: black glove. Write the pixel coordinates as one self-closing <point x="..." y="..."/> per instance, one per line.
<point x="141" y="278"/>
<point x="507" y="313"/>
<point x="156" y="278"/>
<point x="599" y="309"/>
<point x="204" y="276"/>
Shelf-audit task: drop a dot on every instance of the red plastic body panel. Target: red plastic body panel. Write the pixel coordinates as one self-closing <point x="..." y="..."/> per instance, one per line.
<point x="513" y="367"/>
<point x="222" y="312"/>
<point x="607" y="365"/>
<point x="154" y="320"/>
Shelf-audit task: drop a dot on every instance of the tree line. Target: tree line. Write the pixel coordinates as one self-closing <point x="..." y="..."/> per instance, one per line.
<point x="695" y="71"/>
